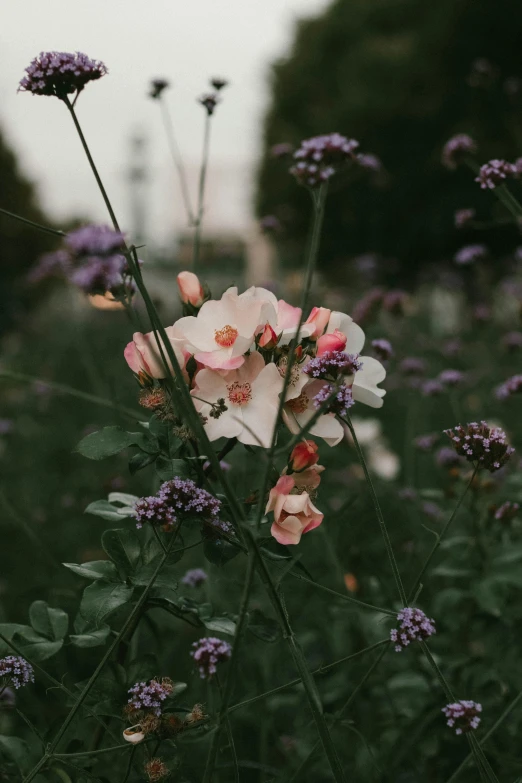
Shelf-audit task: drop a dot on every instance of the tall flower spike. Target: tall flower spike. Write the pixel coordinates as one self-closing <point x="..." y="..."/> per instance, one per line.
<point x="60" y="73"/>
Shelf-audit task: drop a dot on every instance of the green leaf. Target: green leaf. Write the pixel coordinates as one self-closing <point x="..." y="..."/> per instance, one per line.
<point x="48" y="622"/>
<point x="17" y="750"/>
<point x="105" y="510"/>
<point x="168" y="469"/>
<point x="123" y="547"/>
<point x="221" y="625"/>
<point x="96" y="569"/>
<point x="101" y="599"/>
<point x="167" y="577"/>
<point x="35" y="646"/>
<point x="112" y="440"/>
<point x="92" y="638"/>
<point x="124" y="498"/>
<point x="265" y="628"/>
<point x="9" y="630"/>
<point x="139" y="461"/>
<point x="219" y="551"/>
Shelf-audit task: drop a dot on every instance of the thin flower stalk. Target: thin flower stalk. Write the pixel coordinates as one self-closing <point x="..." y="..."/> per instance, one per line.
<point x="198" y="221"/>
<point x="176" y="156"/>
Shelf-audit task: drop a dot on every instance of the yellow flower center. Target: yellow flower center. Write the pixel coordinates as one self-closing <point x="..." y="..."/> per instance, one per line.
<point x="239" y="393"/>
<point x="226" y="336"/>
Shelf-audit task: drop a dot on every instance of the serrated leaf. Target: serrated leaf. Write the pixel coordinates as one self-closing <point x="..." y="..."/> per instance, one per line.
<point x="96" y="569"/>
<point x="100" y="599"/>
<point x="93" y="638"/>
<point x="220" y="625"/>
<point x="112" y="440"/>
<point x="47" y="621"/>
<point x="123" y="547"/>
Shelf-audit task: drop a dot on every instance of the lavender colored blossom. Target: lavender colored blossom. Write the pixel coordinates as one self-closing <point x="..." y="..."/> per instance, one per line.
<point x="432" y="388"/>
<point x="463" y="715"/>
<point x="157" y="87"/>
<point x="15" y="672"/>
<point x="457" y="149"/>
<point x="194" y="577"/>
<point x="451" y="377"/>
<point x="463" y="217"/>
<point x="318" y="158"/>
<point x="95" y="240"/>
<point x="512" y="386"/>
<point x="446" y="457"/>
<point x="208" y="652"/>
<point x="507" y="511"/>
<point x="452" y="348"/>
<point x="209" y="101"/>
<point x="341" y="399"/>
<point x="219" y="526"/>
<point x="431" y="510"/>
<point x="494" y="173"/>
<point x="412" y="365"/>
<point x="484" y="446"/>
<point x="331" y="364"/>
<point x="413" y="626"/>
<point x="469" y="254"/>
<point x="60" y="73"/>
<point x="51" y="265"/>
<point x="98" y="275"/>
<point x="382" y="349"/>
<point x="426" y="442"/>
<point x="407" y="494"/>
<point x="281" y="150"/>
<point x="369" y="162"/>
<point x="176" y="498"/>
<point x="148" y="696"/>
<point x="512" y="341"/>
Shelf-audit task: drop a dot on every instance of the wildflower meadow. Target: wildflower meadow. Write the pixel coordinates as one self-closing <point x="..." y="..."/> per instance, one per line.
<point x="264" y="540"/>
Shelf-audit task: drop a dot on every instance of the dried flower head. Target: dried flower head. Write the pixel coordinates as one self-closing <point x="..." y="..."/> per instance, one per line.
<point x="157" y="87"/>
<point x="15" y="672"/>
<point x="463" y="715"/>
<point x="194" y="577"/>
<point x="457" y="149"/>
<point x="208" y="652"/>
<point x="484" y="446"/>
<point x="148" y="696"/>
<point x="176" y="499"/>
<point x="196" y="714"/>
<point x="494" y="173"/>
<point x="60" y="73"/>
<point x="156" y="769"/>
<point x="209" y="101"/>
<point x="152" y="397"/>
<point x="218" y="83"/>
<point x="318" y="158"/>
<point x="413" y="626"/>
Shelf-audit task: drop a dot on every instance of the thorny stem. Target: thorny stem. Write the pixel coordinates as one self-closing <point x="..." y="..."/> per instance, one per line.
<point x="198" y="222"/>
<point x="378" y="511"/>
<point x="176" y="157"/>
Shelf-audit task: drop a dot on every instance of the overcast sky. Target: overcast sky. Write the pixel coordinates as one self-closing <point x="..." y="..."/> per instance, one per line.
<point x="185" y="40"/>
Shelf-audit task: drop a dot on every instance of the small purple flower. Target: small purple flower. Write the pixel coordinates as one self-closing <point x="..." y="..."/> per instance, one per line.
<point x="446" y="457"/>
<point x="512" y="341"/>
<point x="318" y="158"/>
<point x="480" y="444"/>
<point x="209" y="101"/>
<point x="382" y="349"/>
<point x="208" y="652"/>
<point x="331" y="364"/>
<point x="15" y="672"/>
<point x="507" y="511"/>
<point x="494" y="173"/>
<point x="157" y="86"/>
<point x="194" y="577"/>
<point x="408" y="494"/>
<point x="412" y="365"/>
<point x="426" y="442"/>
<point x="369" y="162"/>
<point x="451" y="377"/>
<point x="282" y="150"/>
<point x="512" y="386"/>
<point x="50" y="266"/>
<point x="463" y="715"/>
<point x="60" y="73"/>
<point x="340" y="399"/>
<point x="148" y="696"/>
<point x="469" y="254"/>
<point x="457" y="149"/>
<point x="95" y="240"/>
<point x="175" y="498"/>
<point x="463" y="217"/>
<point x="395" y="302"/>
<point x="432" y="388"/>
<point x="413" y="626"/>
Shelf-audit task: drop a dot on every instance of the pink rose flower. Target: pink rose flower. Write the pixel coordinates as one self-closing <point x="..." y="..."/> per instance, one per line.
<point x="293" y="514"/>
<point x="319" y="317"/>
<point x="143" y="355"/>
<point x="268" y="338"/>
<point x="190" y="289"/>
<point x="334" y="341"/>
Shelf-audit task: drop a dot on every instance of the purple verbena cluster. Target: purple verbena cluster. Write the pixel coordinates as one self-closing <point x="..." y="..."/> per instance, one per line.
<point x="432" y="388"/>
<point x="446" y="457"/>
<point x="457" y="149"/>
<point x="148" y="696"/>
<point x="175" y="498"/>
<point x="60" y="73"/>
<point x="340" y="399"/>
<point x="368" y="161"/>
<point x="469" y="254"/>
<point x="317" y="158"/>
<point x="481" y="444"/>
<point x="208" y="652"/>
<point x="50" y="265"/>
<point x="451" y="377"/>
<point x="270" y="224"/>
<point x="382" y="349"/>
<point x="463" y="715"/>
<point x="463" y="217"/>
<point x="413" y="626"/>
<point x="494" y="173"/>
<point x="194" y="577"/>
<point x="507" y="511"/>
<point x="512" y="386"/>
<point x="332" y="364"/>
<point x="15" y="671"/>
<point x="412" y="365"/>
<point x="95" y="240"/>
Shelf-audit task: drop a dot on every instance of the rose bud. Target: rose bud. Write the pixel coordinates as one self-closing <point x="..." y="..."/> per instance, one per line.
<point x="268" y="339"/>
<point x="293" y="514"/>
<point x="190" y="289"/>
<point x="304" y="455"/>
<point x="319" y="317"/>
<point x="334" y="341"/>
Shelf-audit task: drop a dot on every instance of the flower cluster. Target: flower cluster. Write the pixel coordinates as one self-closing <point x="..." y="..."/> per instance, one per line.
<point x="463" y="217"/>
<point x="464" y="715"/>
<point x="494" y="173"/>
<point x="512" y="386"/>
<point x="338" y="399"/>
<point x="382" y="349"/>
<point x="148" y="696"/>
<point x="208" y="652"/>
<point x="485" y="446"/>
<point x="413" y="626"/>
<point x="332" y="364"/>
<point x="457" y="149"/>
<point x="451" y="377"/>
<point x="507" y="511"/>
<point x="15" y="672"/>
<point x="318" y="158"/>
<point x="194" y="577"/>
<point x="61" y="73"/>
<point x="470" y="254"/>
<point x="175" y="498"/>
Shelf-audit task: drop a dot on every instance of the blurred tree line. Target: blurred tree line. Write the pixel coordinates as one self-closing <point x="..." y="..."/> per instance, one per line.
<point x="401" y="76"/>
<point x="20" y="245"/>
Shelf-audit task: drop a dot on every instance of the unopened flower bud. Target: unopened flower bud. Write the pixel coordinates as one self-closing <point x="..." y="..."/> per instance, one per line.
<point x="268" y="339"/>
<point x="190" y="289"/>
<point x="319" y="317"/>
<point x="304" y="455"/>
<point x="334" y="341"/>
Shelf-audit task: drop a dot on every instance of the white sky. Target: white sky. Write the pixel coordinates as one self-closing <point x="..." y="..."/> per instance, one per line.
<point x="184" y="40"/>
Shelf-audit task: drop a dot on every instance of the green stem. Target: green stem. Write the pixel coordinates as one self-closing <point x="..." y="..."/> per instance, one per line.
<point x="176" y="156"/>
<point x="380" y="517"/>
<point x="230" y="736"/>
<point x="343" y="597"/>
<point x="201" y="192"/>
<point x="46" y="229"/>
